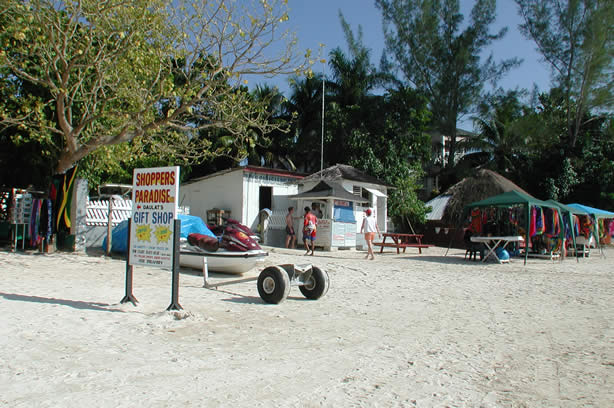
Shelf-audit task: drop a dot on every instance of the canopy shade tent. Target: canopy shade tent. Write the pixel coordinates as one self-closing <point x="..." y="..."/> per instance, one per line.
<point x="510" y="199"/>
<point x="596" y="212"/>
<point x="570" y="209"/>
<point x="565" y="209"/>
<point x="326" y="190"/>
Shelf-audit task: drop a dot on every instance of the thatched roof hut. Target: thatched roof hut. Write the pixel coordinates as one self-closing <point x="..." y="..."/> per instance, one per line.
<point x="483" y="184"/>
<point x="444" y="226"/>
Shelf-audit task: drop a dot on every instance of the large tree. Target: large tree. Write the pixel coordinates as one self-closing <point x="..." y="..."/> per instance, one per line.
<point x="146" y="71"/>
<point x="441" y="56"/>
<point x="305" y="104"/>
<point x="575" y="37"/>
<point x="500" y="143"/>
<point x="381" y="133"/>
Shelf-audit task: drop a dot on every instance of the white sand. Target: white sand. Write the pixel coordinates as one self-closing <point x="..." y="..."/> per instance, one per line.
<point x="406" y="330"/>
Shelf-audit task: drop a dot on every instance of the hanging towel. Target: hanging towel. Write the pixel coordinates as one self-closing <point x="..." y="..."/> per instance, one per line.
<point x="476" y="221"/>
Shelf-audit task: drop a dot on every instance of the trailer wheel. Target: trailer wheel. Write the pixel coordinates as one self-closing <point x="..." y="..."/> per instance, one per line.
<point x="273" y="284"/>
<point x="317" y="285"/>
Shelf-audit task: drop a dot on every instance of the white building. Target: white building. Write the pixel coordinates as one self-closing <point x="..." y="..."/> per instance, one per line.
<point x="370" y="188"/>
<point x="244" y="193"/>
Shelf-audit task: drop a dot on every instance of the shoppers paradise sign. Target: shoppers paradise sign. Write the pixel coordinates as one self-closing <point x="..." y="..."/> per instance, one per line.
<point x="154" y="208"/>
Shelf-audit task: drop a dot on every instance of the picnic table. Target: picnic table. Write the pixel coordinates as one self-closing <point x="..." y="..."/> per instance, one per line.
<point x="402" y="241"/>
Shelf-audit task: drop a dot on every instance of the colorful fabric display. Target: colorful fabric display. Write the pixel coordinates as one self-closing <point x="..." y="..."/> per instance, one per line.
<point x="63" y="191"/>
<point x="476" y="221"/>
<point x="586" y="226"/>
<point x="552" y="227"/>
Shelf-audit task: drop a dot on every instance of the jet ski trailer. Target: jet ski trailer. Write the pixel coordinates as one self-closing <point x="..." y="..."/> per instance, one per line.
<point x="274" y="282"/>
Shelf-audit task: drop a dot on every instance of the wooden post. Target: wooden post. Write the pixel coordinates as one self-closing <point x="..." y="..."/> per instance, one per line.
<point x="175" y="283"/>
<point x="109" y="227"/>
<point x="128" y="297"/>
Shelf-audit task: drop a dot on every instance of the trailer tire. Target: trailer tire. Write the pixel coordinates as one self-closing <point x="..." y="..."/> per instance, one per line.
<point x="317" y="285"/>
<point x="273" y="284"/>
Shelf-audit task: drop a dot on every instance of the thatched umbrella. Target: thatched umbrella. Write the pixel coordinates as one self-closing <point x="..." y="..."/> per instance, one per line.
<point x="483" y="184"/>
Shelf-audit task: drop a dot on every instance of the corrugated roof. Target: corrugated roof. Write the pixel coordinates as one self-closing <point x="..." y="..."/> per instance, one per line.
<point x="251" y="169"/>
<point x="438" y="205"/>
<point x="329" y="189"/>
<point x="344" y="172"/>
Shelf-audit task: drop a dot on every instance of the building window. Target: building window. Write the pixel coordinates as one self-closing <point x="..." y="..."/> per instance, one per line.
<point x="362" y="193"/>
<point x="366" y="194"/>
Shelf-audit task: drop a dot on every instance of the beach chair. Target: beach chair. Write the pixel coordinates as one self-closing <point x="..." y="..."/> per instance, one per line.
<point x="472" y="248"/>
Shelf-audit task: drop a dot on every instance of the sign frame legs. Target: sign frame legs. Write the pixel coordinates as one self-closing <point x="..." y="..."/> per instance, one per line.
<point x="175" y="280"/>
<point x="128" y="297"/>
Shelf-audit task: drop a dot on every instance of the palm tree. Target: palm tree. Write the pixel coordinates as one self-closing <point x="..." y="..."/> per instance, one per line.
<point x="305" y="106"/>
<point x="354" y="78"/>
<point x="499" y="144"/>
<point x="275" y="146"/>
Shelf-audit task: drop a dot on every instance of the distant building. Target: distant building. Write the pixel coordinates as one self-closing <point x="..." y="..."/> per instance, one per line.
<point x="243" y="194"/>
<point x="440" y="152"/>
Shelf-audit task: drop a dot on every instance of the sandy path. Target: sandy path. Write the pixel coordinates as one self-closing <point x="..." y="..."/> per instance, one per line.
<point x="405" y="330"/>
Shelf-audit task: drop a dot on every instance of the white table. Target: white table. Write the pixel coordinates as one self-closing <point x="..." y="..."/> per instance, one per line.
<point x="493" y="243"/>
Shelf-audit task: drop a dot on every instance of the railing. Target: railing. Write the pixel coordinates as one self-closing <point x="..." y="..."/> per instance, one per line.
<point x="98" y="212"/>
<point x="277" y="220"/>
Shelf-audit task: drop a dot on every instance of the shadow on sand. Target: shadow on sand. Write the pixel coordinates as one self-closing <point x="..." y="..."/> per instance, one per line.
<point x="451" y="259"/>
<point x="77" y="304"/>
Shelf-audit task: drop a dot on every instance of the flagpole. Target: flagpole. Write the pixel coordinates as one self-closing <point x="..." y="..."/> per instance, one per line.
<point x="322" y="139"/>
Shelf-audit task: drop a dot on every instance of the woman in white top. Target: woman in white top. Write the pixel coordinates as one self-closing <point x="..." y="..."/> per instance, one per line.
<point x="369" y="227"/>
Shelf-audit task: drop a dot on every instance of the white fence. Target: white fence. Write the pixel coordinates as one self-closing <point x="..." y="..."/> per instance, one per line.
<point x="277" y="220"/>
<point x="98" y="212"/>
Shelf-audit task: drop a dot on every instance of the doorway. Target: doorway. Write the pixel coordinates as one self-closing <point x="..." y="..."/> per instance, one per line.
<point x="265" y="198"/>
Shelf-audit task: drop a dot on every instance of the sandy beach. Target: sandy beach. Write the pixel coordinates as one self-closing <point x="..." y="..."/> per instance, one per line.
<point x="401" y="331"/>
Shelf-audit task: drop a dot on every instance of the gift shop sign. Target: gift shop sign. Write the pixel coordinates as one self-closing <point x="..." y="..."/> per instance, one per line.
<point x="154" y="207"/>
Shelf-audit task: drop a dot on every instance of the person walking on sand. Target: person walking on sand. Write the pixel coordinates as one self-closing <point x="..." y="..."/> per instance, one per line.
<point x="310" y="223"/>
<point x="290" y="234"/>
<point x="369" y="226"/>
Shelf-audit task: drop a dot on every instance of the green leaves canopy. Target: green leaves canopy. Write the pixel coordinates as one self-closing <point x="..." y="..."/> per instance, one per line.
<point x="442" y="59"/>
<point x="118" y="71"/>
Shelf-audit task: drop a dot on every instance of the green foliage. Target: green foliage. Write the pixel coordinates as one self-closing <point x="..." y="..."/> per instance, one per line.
<point x="441" y="58"/>
<point x="576" y="39"/>
<point x="305" y="107"/>
<point x="560" y="187"/>
<point x="382" y="145"/>
<point x="500" y="142"/>
<point x="116" y="71"/>
<point x="403" y="201"/>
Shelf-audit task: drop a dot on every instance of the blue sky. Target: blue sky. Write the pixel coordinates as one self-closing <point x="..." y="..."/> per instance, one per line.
<point x="317" y="21"/>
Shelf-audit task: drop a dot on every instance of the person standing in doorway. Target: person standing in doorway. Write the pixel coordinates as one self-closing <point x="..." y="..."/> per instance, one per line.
<point x="369" y="227"/>
<point x="310" y="223"/>
<point x="290" y="234"/>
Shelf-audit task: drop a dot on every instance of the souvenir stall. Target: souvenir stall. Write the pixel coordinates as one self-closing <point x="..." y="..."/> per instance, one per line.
<point x="334" y="208"/>
<point x="513" y="214"/>
<point x="604" y="223"/>
<point x="577" y="230"/>
<point x="38" y="219"/>
<point x="25" y="218"/>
